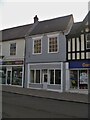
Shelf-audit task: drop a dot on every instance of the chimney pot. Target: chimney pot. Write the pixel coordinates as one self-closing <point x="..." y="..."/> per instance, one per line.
<point x="35" y="18"/>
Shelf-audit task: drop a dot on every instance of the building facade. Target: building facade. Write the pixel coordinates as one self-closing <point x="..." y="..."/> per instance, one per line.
<point x="12" y="55"/>
<point x="45" y="65"/>
<point x="78" y="54"/>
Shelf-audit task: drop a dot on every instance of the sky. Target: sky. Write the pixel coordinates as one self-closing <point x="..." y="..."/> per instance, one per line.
<point x="22" y="12"/>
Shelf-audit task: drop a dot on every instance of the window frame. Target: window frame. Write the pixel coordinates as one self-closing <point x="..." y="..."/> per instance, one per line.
<point x="10" y="49"/>
<point x="53" y="36"/>
<point x="34" y="39"/>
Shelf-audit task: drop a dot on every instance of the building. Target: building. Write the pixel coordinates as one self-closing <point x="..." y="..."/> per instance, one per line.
<point x="12" y="45"/>
<point x="78" y="54"/>
<point x="45" y="60"/>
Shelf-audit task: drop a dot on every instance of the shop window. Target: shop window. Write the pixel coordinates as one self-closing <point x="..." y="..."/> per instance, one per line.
<point x="73" y="78"/>
<point x="32" y="76"/>
<point x="57" y="77"/>
<point x="17" y="75"/>
<point x="83" y="79"/>
<point x="3" y="75"/>
<point x="37" y="76"/>
<point x="13" y="49"/>
<point x="51" y="76"/>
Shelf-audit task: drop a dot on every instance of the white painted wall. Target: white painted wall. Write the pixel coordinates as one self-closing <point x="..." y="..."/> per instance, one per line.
<point x="20" y="46"/>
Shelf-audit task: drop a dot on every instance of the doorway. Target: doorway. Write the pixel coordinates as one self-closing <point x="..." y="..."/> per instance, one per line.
<point x="9" y="76"/>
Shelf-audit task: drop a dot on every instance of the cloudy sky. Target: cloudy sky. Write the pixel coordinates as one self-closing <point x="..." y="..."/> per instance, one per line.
<point x="21" y="12"/>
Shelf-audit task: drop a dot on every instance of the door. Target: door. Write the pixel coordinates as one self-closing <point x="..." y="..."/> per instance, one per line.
<point x="45" y="80"/>
<point x="9" y="77"/>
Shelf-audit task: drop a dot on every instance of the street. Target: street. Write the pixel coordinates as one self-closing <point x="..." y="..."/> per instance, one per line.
<point x="21" y="106"/>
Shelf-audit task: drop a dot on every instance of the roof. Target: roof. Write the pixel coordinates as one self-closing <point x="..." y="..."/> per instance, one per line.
<point x="15" y="32"/>
<point x="52" y="25"/>
<point x="46" y="26"/>
<point x="78" y="26"/>
<point x="75" y="28"/>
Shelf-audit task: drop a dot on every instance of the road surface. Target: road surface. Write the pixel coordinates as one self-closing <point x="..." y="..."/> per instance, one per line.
<point x="21" y="106"/>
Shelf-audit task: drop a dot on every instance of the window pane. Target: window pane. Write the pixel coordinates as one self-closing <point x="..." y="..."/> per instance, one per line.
<point x="83" y="79"/>
<point x="37" y="46"/>
<point x="69" y="56"/>
<point x="17" y="75"/>
<point x="32" y="76"/>
<point x="57" y="76"/>
<point x="53" y="44"/>
<point x="88" y="45"/>
<point x="37" y="76"/>
<point x="82" y="42"/>
<point x="78" y="48"/>
<point x="51" y="76"/>
<point x="73" y="78"/>
<point x="78" y="55"/>
<point x="69" y="45"/>
<point x="13" y="49"/>
<point x="73" y="44"/>
<point x="82" y="55"/>
<point x="73" y="55"/>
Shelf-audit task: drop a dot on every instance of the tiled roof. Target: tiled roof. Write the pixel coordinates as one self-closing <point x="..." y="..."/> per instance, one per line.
<point x="52" y="25"/>
<point x="15" y="32"/>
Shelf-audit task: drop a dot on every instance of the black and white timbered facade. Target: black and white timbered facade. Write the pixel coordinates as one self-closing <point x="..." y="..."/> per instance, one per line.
<point x="78" y="54"/>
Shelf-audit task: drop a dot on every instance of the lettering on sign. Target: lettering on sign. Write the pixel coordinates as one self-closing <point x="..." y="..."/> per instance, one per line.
<point x="86" y="65"/>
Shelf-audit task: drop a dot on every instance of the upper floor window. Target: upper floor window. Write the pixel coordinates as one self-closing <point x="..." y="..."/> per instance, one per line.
<point x="13" y="49"/>
<point x="53" y="45"/>
<point x="88" y="41"/>
<point x="37" y="46"/>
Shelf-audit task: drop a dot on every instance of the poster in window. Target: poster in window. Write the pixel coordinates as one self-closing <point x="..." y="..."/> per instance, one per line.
<point x="83" y="78"/>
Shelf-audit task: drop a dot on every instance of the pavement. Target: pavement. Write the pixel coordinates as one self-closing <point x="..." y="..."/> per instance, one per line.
<point x="56" y="95"/>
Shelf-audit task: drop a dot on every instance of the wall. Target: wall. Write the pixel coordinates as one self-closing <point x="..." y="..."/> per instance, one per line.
<point x="20" y="45"/>
<point x="45" y="56"/>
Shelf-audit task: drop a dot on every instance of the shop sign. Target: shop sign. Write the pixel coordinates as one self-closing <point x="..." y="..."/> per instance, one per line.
<point x="12" y="62"/>
<point x="79" y="64"/>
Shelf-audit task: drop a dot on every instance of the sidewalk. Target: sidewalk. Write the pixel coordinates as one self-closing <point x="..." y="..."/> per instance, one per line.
<point x="56" y="95"/>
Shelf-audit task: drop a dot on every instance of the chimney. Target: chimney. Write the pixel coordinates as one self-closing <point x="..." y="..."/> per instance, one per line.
<point x="35" y="18"/>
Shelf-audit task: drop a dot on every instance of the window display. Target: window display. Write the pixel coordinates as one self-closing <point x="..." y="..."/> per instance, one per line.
<point x="83" y="79"/>
<point x="74" y="78"/>
<point x="79" y="79"/>
<point x="3" y="75"/>
<point x="17" y="75"/>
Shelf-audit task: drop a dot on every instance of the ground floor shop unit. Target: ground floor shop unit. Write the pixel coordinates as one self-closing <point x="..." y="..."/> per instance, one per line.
<point x="79" y="72"/>
<point x="12" y="73"/>
<point x="48" y="76"/>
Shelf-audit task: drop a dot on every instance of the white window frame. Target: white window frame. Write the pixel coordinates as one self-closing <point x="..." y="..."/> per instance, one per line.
<point x="37" y="38"/>
<point x="10" y="46"/>
<point x="54" y="35"/>
<point x="87" y="41"/>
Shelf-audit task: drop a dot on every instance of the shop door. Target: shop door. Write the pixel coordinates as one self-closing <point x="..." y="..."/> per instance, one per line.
<point x="45" y="80"/>
<point x="9" y="76"/>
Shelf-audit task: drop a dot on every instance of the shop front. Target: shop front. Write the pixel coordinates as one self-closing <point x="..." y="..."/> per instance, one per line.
<point x="79" y="74"/>
<point x="12" y="72"/>
<point x="46" y="76"/>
